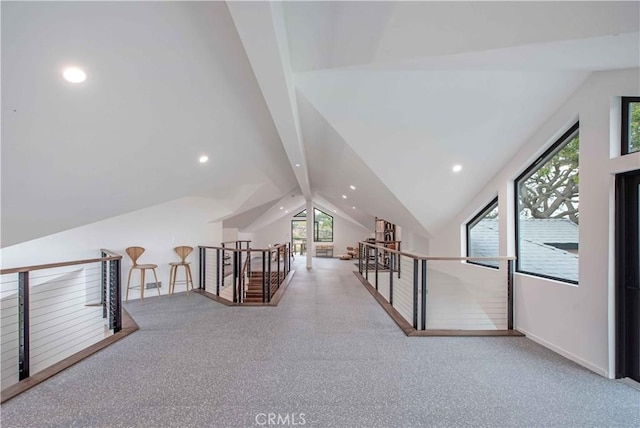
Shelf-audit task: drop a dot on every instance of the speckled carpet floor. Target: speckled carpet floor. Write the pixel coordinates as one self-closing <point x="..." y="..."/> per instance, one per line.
<point x="327" y="356"/>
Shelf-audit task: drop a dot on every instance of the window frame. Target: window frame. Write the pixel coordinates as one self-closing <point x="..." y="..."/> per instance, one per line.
<point x="474" y="221"/>
<point x="297" y="220"/>
<point x="624" y="129"/>
<point x="316" y="226"/>
<point x="541" y="160"/>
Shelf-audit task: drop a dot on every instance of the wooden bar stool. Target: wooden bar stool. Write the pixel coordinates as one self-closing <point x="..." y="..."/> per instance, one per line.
<point x="134" y="253"/>
<point x="182" y="252"/>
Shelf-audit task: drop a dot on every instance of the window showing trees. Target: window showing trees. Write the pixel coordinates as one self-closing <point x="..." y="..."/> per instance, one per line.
<point x="322" y="226"/>
<point x="298" y="230"/>
<point x="482" y="235"/>
<point x="547" y="212"/>
<point x="630" y="124"/>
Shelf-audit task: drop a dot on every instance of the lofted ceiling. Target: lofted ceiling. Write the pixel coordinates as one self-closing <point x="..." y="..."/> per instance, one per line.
<point x="167" y="82"/>
<point x="294" y="98"/>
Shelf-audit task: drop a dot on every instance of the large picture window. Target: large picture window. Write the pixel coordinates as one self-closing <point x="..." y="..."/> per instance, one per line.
<point x="630" y="124"/>
<point x="322" y="226"/>
<point x="547" y="201"/>
<point x="298" y="230"/>
<point x="483" y="237"/>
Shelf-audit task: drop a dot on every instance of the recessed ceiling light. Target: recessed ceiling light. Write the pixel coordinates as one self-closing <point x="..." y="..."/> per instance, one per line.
<point x="203" y="158"/>
<point x="281" y="207"/>
<point x="344" y="196"/>
<point x="352" y="187"/>
<point x="353" y="208"/>
<point x="335" y="211"/>
<point x="457" y="168"/>
<point x="74" y="75"/>
<point x="286" y="211"/>
<point x="298" y="165"/>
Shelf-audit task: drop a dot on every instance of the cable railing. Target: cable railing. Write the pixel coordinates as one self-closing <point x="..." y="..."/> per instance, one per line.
<point x="238" y="274"/>
<point x="433" y="294"/>
<point x="51" y="312"/>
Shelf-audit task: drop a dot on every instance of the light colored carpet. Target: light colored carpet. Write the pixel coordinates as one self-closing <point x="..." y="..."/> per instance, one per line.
<point x="328" y="351"/>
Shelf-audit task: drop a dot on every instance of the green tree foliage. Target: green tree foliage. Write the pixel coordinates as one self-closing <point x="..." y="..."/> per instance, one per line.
<point x="634" y="127"/>
<point x="552" y="191"/>
<point x="493" y="214"/>
<point x="298" y="230"/>
<point x="324" y="226"/>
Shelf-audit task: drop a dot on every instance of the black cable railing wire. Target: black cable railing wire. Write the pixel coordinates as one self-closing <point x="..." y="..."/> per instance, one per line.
<point x="403" y="288"/>
<point x="65" y="314"/>
<point x="229" y="272"/>
<point x="451" y="299"/>
<point x="480" y="303"/>
<point x="93" y="274"/>
<point x="9" y="328"/>
<point x="64" y="346"/>
<point x="70" y="308"/>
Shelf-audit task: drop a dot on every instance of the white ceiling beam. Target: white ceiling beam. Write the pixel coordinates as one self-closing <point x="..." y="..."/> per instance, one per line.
<point x="262" y="29"/>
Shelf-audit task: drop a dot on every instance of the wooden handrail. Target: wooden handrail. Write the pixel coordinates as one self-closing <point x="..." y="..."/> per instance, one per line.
<point x="57" y="265"/>
<point x="110" y="253"/>
<point x="243" y="249"/>
<point x="233" y="242"/>
<point x="419" y="257"/>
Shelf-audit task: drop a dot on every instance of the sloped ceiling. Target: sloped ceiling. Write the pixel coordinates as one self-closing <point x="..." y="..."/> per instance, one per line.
<point x="309" y="96"/>
<point x="166" y="83"/>
<point x="390" y="95"/>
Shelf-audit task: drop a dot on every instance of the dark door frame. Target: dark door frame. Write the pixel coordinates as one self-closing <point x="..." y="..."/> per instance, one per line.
<point x="627" y="294"/>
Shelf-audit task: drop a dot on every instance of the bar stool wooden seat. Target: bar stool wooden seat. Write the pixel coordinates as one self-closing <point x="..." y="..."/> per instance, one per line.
<point x="134" y="253"/>
<point x="182" y="252"/>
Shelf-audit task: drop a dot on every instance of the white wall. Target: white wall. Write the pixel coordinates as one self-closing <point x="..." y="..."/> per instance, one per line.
<point x="345" y="234"/>
<point x="158" y="229"/>
<point x="414" y="243"/>
<point x="229" y="234"/>
<point x="245" y="236"/>
<point x="575" y="321"/>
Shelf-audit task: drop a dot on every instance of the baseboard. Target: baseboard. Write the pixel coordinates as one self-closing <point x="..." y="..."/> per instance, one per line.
<point x="586" y="364"/>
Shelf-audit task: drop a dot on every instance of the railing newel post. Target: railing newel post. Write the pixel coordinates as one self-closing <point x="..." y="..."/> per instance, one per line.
<point x="221" y="267"/>
<point x="23" y="326"/>
<point x="399" y="259"/>
<point x="391" y="259"/>
<point x="118" y="290"/>
<point x="269" y="284"/>
<point x="278" y="257"/>
<point x="103" y="284"/>
<point x="510" y="294"/>
<point x="200" y="266"/>
<point x="219" y="271"/>
<point x="415" y="294"/>
<point x="264" y="284"/>
<point x="235" y="277"/>
<point x="423" y="302"/>
<point x="366" y="266"/>
<point x="375" y="256"/>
